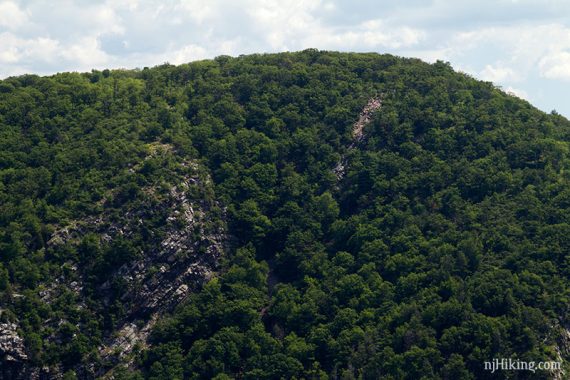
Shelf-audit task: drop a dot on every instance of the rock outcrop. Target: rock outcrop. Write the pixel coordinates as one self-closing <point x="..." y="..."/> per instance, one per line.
<point x="184" y="259"/>
<point x="13" y="357"/>
<point x="180" y="257"/>
<point x="364" y="118"/>
<point x="11" y="344"/>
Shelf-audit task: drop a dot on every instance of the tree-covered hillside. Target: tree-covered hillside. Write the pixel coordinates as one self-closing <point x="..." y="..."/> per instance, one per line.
<point x="312" y="215"/>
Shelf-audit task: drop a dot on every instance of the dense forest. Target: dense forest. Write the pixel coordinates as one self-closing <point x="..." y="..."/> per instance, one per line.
<point x="224" y="219"/>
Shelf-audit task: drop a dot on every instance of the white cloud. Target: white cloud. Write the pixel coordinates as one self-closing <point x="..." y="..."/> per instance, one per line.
<point x="10" y="52"/>
<point x="186" y="54"/>
<point x="130" y="5"/>
<point x="86" y="53"/>
<point x="294" y="25"/>
<point x="372" y="36"/>
<point x="19" y="53"/>
<point x="198" y="11"/>
<point x="107" y="21"/>
<point x="285" y="22"/>
<point x="11" y="16"/>
<point x="499" y="74"/>
<point x="329" y="7"/>
<point x="556" y="65"/>
<point x="15" y="49"/>
<point x="523" y="44"/>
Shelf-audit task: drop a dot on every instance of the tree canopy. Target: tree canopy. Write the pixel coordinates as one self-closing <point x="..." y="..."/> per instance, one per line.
<point x="445" y="244"/>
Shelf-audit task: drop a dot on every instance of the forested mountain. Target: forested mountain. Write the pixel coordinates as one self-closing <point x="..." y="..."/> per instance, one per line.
<point x="312" y="215"/>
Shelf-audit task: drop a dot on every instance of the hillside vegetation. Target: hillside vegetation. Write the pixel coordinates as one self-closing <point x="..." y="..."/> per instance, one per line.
<point x="298" y="215"/>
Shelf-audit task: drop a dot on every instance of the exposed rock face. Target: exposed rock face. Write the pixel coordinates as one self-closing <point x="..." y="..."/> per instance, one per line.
<point x="11" y="344"/>
<point x="13" y="356"/>
<point x="179" y="259"/>
<point x="184" y="259"/>
<point x="562" y="349"/>
<point x="364" y="118"/>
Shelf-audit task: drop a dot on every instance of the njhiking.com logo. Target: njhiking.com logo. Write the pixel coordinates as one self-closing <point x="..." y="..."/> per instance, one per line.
<point x="509" y="364"/>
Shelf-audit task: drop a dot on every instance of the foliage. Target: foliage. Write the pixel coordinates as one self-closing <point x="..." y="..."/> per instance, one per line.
<point x="445" y="244"/>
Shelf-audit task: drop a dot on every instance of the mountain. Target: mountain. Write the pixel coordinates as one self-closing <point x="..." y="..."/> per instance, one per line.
<point x="296" y="215"/>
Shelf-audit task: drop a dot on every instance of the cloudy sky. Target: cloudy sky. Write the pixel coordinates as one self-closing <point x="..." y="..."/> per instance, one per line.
<point x="521" y="45"/>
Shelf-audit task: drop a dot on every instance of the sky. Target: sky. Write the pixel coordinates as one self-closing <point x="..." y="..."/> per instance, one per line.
<point x="523" y="46"/>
